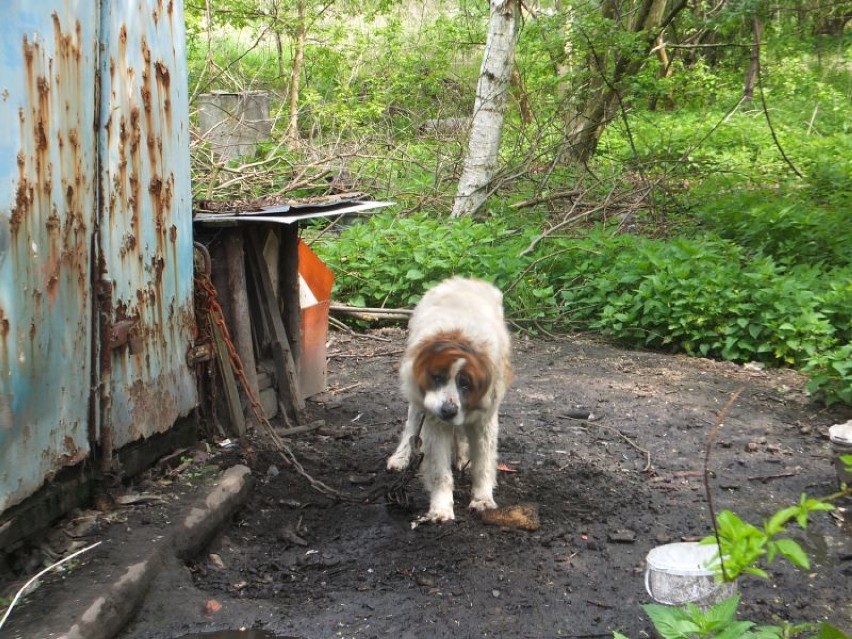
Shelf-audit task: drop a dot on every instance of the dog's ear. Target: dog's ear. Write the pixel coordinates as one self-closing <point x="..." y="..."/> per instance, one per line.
<point x="478" y="370"/>
<point x="433" y="360"/>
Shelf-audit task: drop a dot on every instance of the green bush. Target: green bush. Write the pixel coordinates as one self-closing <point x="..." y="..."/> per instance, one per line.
<point x="785" y="228"/>
<point x="831" y="375"/>
<point x="704" y="296"/>
<point x="390" y="261"/>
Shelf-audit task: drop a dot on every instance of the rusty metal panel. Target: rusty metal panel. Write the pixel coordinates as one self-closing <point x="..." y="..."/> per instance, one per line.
<point x="48" y="63"/>
<point x="146" y="218"/>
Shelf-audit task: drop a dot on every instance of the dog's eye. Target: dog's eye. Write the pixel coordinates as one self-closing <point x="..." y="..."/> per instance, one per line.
<point x="438" y="379"/>
<point x="465" y="383"/>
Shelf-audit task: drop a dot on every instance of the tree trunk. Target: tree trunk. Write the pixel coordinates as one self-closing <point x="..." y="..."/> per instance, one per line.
<point x="279" y="47"/>
<point x="522" y="97"/>
<point x="665" y="72"/>
<point x="489" y="108"/>
<point x="586" y="124"/>
<point x="275" y="25"/>
<point x="754" y="64"/>
<point x="296" y="72"/>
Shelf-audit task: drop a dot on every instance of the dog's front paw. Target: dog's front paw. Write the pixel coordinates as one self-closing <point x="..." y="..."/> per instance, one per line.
<point x="398" y="462"/>
<point x="482" y="504"/>
<point x="434" y="517"/>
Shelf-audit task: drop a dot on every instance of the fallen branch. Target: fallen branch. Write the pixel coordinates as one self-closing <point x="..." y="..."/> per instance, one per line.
<point x="395" y="353"/>
<point x="559" y="195"/>
<point x="371" y="314"/>
<point x="296" y="430"/>
<point x="766" y="478"/>
<point x="627" y="439"/>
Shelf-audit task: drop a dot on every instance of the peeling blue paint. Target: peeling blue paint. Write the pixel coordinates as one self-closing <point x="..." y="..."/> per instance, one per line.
<point x="93" y="197"/>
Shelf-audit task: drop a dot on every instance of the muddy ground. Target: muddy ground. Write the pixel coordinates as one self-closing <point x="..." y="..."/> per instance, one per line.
<point x="297" y="563"/>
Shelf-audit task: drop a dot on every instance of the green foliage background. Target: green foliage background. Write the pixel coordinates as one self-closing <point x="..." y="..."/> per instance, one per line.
<point x="701" y="236"/>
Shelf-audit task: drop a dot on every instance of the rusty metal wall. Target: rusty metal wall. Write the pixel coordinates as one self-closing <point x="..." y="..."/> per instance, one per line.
<point x="95" y="232"/>
<point x="146" y="232"/>
<point x="48" y="151"/>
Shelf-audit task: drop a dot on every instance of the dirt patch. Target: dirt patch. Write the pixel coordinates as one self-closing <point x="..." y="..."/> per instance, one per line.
<point x="297" y="563"/>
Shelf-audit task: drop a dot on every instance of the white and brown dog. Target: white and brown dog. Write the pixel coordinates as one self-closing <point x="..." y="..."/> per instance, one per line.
<point x="454" y="373"/>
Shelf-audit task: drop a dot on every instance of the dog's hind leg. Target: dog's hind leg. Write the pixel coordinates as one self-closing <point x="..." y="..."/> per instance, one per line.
<point x="402" y="455"/>
<point x="483" y="463"/>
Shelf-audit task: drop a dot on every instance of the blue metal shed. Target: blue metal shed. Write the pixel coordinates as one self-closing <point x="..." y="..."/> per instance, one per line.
<point x="96" y="257"/>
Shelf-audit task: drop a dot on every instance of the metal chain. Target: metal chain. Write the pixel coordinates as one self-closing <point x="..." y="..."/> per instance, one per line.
<point x="216" y="316"/>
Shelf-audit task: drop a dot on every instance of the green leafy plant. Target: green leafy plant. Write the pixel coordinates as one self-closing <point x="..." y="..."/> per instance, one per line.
<point x="745" y="546"/>
<point x="831" y="375"/>
<point x="704" y="296"/>
<point x="746" y="550"/>
<point x="720" y="622"/>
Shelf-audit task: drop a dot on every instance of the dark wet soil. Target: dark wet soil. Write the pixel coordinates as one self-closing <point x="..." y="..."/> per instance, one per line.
<point x="297" y="562"/>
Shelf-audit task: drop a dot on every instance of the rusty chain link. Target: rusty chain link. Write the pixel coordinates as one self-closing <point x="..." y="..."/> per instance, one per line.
<point x="207" y="299"/>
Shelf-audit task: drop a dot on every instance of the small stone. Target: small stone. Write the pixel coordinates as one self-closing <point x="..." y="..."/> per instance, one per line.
<point x="622" y="536"/>
<point x="212" y="607"/>
<point x="288" y="534"/>
<point x="360" y="480"/>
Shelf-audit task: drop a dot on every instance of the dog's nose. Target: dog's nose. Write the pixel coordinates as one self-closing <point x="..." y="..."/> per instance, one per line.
<point x="448" y="411"/>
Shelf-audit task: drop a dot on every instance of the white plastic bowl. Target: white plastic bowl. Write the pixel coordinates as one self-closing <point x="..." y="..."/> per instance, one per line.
<point x="841" y="444"/>
<point x="678" y="573"/>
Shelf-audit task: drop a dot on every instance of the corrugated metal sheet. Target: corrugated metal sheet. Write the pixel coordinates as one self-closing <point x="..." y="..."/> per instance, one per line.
<point x="146" y="235"/>
<point x="48" y="62"/>
<point x="95" y="232"/>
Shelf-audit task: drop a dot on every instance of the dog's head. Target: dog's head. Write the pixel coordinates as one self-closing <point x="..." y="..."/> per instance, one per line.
<point x="453" y="377"/>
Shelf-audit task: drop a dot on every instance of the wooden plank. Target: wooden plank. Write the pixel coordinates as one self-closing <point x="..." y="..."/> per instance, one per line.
<point x="229" y="381"/>
<point x="285" y="367"/>
<point x="289" y="288"/>
<point x="241" y="321"/>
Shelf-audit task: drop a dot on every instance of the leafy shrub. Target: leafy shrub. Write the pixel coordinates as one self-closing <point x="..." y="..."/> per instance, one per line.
<point x="702" y="296"/>
<point x="788" y="230"/>
<point x="831" y="375"/>
<point x="391" y="261"/>
<point x="828" y="178"/>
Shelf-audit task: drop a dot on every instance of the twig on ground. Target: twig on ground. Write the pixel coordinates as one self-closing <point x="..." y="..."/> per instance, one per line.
<point x="38" y="575"/>
<point x="371" y="313"/>
<point x="363" y="355"/>
<point x="627" y="439"/>
<point x="343" y="327"/>
<point x="766" y="478"/>
<point x="710" y="437"/>
<point x="295" y="430"/>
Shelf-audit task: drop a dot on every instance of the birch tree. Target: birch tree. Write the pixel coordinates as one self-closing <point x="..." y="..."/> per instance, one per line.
<point x="489" y="109"/>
